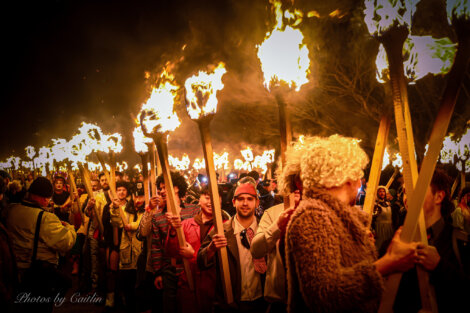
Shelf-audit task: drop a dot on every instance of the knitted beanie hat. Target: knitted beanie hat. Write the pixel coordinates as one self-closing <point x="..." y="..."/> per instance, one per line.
<point x="42" y="187"/>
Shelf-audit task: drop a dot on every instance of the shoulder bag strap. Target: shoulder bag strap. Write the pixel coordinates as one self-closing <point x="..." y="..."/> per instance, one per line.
<point x="36" y="235"/>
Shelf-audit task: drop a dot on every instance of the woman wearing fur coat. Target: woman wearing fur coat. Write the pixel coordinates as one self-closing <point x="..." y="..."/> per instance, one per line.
<point x="331" y="259"/>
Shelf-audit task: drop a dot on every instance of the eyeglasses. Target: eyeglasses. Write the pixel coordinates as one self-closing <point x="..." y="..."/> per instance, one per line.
<point x="244" y="239"/>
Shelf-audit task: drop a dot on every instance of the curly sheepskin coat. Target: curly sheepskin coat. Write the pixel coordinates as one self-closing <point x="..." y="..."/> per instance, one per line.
<point x="329" y="258"/>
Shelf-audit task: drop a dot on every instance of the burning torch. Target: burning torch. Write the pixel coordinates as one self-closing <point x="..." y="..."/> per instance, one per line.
<point x="157" y="119"/>
<point x="457" y="152"/>
<point x="78" y="152"/>
<point x="30" y="153"/>
<point x="201" y="104"/>
<point x="392" y="30"/>
<point x="285" y="64"/>
<point x="142" y="149"/>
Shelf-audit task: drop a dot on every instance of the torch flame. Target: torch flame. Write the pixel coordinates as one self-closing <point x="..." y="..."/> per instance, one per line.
<point x="92" y="136"/>
<point x="398" y="162"/>
<point x="381" y="63"/>
<point x="201" y="92"/>
<point x="221" y="161"/>
<point x="27" y="164"/>
<point x="14" y="161"/>
<point x="180" y="165"/>
<point x="78" y="149"/>
<point x="247" y="154"/>
<point x="386" y="159"/>
<point x="122" y="166"/>
<point x="199" y="164"/>
<point x="44" y="160"/>
<point x="238" y="164"/>
<point x="112" y="143"/>
<point x="429" y="55"/>
<point x="424" y="55"/>
<point x="262" y="161"/>
<point x="92" y="166"/>
<point x="457" y="9"/>
<point x="456" y="151"/>
<point x="140" y="140"/>
<point x="30" y="152"/>
<point x="138" y="167"/>
<point x="381" y="15"/>
<point x="283" y="56"/>
<point x="159" y="114"/>
<point x="60" y="149"/>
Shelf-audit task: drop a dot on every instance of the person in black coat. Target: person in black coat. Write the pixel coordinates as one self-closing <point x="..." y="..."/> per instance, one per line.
<point x="439" y="258"/>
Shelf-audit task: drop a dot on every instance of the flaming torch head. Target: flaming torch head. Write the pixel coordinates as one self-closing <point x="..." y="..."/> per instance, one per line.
<point x="283" y="55"/>
<point x="428" y="55"/>
<point x="424" y="55"/>
<point x="92" y="136"/>
<point x="113" y="143"/>
<point x="78" y="149"/>
<point x="386" y="159"/>
<point x="201" y="92"/>
<point x="382" y="15"/>
<point x="199" y="164"/>
<point x="457" y="9"/>
<point x="15" y="162"/>
<point x="157" y="113"/>
<point x="140" y="141"/>
<point x="30" y="152"/>
<point x="247" y="154"/>
<point x="60" y="149"/>
<point x="398" y="162"/>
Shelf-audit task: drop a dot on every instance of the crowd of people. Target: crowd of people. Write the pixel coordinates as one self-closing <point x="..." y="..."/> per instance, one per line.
<point x="299" y="243"/>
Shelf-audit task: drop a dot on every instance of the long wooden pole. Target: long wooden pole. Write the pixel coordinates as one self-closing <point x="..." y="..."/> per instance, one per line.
<point x="286" y="135"/>
<point x="439" y="130"/>
<point x="87" y="181"/>
<point x="112" y="166"/>
<point x="171" y="201"/>
<point x="145" y="173"/>
<point x="112" y="188"/>
<point x="153" y="176"/>
<point x="73" y="187"/>
<point x="376" y="167"/>
<point x="216" y="208"/>
<point x="440" y="127"/>
<point x="394" y="175"/>
<point x="393" y="43"/>
<point x="463" y="184"/>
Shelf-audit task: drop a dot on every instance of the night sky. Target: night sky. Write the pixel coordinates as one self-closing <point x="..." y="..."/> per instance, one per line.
<point x="71" y="61"/>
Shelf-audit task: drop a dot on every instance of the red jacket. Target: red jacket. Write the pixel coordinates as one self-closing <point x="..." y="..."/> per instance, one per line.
<point x="205" y="280"/>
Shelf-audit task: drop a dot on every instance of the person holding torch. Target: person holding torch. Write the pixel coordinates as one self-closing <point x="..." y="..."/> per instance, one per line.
<point x="195" y="230"/>
<point x="331" y="259"/>
<point x="93" y="258"/>
<point x="166" y="269"/>
<point x="269" y="239"/>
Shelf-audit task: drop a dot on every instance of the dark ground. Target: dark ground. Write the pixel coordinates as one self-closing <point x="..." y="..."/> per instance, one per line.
<point x="76" y="302"/>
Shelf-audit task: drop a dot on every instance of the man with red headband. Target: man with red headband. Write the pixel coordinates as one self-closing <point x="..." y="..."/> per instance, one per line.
<point x="245" y="272"/>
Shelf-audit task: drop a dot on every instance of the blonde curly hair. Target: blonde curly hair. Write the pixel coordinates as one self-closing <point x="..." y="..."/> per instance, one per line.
<point x="286" y="175"/>
<point x="328" y="162"/>
<point x="321" y="162"/>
